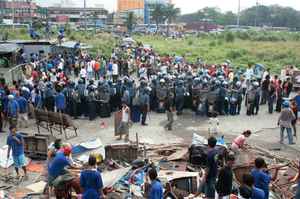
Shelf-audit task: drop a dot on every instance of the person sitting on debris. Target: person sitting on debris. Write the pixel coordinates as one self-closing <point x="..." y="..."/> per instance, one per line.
<point x="225" y="179"/>
<point x="91" y="180"/>
<point x="248" y="190"/>
<point x="261" y="176"/>
<point x="239" y="142"/>
<point x="57" y="174"/>
<point x="15" y="143"/>
<point x="156" y="189"/>
<point x="53" y="149"/>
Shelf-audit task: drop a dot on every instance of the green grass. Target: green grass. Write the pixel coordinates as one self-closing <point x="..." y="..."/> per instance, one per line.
<point x="216" y="49"/>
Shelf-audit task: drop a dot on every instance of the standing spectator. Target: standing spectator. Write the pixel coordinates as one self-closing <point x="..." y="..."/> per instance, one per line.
<point x="266" y="73"/>
<point x="264" y="89"/>
<point x="285" y="122"/>
<point x="60" y="102"/>
<point x="295" y="111"/>
<point x="12" y="111"/>
<point x="124" y="126"/>
<point x="97" y="70"/>
<point x="91" y="181"/>
<point x="23" y="105"/>
<point x="89" y="70"/>
<point x="287" y="87"/>
<point x="262" y="177"/>
<point x="211" y="170"/>
<point x="271" y="95"/>
<point x="15" y="144"/>
<point x="297" y="100"/>
<point x="115" y="71"/>
<point x="83" y="73"/>
<point x="279" y="96"/>
<point x="144" y="102"/>
<point x="225" y="179"/>
<point x="156" y="189"/>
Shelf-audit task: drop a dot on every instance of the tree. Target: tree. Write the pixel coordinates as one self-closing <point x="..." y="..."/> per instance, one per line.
<point x="170" y="13"/>
<point x="130" y="21"/>
<point x="158" y="14"/>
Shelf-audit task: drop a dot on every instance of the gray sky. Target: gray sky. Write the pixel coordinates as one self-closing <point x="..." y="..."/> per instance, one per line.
<point x="188" y="6"/>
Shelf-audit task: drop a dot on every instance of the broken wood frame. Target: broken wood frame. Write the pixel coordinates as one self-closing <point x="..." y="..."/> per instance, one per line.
<point x="54" y="121"/>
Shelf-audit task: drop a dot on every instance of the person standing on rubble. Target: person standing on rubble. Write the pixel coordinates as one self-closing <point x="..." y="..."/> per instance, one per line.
<point x="91" y="181"/>
<point x="156" y="189"/>
<point x="12" y="110"/>
<point x="124" y="125"/>
<point x="225" y="179"/>
<point x="211" y="170"/>
<point x="285" y="120"/>
<point x="262" y="177"/>
<point x="15" y="144"/>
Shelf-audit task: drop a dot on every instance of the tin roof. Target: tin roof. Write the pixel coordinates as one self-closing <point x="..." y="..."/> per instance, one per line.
<point x="8" y="47"/>
<point x="71" y="44"/>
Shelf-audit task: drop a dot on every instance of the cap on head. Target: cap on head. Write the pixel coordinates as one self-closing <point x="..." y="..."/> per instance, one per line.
<point x="11" y="97"/>
<point x="285" y="104"/>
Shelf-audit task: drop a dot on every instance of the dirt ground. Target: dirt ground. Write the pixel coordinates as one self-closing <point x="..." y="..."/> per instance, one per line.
<point x="263" y="126"/>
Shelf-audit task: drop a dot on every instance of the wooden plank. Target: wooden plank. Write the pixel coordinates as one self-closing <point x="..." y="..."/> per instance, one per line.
<point x="178" y="155"/>
<point x="37" y="187"/>
<point x="112" y="177"/>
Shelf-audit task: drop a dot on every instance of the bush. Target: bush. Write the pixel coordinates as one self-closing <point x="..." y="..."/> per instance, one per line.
<point x="229" y="37"/>
<point x="212" y="44"/>
<point x="190" y="42"/>
<point x="237" y="53"/>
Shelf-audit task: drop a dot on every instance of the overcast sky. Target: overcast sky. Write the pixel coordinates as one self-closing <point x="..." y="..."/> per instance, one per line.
<point x="188" y="6"/>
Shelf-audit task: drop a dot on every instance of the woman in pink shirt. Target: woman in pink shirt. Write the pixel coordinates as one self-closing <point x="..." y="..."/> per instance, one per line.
<point x="238" y="142"/>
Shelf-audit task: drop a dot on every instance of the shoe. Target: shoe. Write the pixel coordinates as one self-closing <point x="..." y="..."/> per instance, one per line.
<point x="293" y="143"/>
<point x="144" y="124"/>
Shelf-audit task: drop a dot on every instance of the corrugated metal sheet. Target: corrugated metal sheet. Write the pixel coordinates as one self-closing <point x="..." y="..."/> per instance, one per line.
<point x="8" y="48"/>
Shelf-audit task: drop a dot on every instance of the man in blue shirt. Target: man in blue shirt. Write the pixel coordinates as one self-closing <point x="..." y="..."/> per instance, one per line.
<point x="91" y="181"/>
<point x="12" y="110"/>
<point x="60" y="102"/>
<point x="57" y="166"/>
<point x="156" y="189"/>
<point x="15" y="144"/>
<point x="261" y="176"/>
<point x="248" y="190"/>
<point x="211" y="169"/>
<point x="23" y="108"/>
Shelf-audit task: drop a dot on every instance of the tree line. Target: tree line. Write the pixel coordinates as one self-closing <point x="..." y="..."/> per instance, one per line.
<point x="274" y="16"/>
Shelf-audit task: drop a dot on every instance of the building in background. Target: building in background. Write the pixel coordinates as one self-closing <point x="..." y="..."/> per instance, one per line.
<point x="21" y="11"/>
<point x="76" y="16"/>
<point x="141" y="9"/>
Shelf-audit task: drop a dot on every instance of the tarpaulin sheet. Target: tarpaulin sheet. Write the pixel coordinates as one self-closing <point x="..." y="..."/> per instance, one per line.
<point x="86" y="146"/>
<point x="4" y="163"/>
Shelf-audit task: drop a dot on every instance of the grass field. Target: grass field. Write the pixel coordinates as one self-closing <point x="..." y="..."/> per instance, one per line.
<point x="273" y="49"/>
<point x="273" y="54"/>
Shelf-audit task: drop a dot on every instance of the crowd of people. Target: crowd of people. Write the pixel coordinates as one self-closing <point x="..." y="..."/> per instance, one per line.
<point x="137" y="80"/>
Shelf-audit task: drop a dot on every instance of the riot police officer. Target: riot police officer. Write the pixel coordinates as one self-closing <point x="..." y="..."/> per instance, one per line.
<point x="179" y="97"/>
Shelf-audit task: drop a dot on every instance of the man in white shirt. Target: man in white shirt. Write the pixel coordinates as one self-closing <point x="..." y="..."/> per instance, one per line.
<point x="82" y="73"/>
<point x="115" y="71"/>
<point x="124" y="125"/>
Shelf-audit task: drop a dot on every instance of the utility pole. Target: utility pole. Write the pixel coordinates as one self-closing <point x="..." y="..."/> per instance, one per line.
<point x="13" y="14"/>
<point x="85" y="22"/>
<point x="256" y="12"/>
<point x="238" y="14"/>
